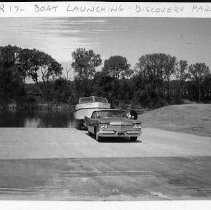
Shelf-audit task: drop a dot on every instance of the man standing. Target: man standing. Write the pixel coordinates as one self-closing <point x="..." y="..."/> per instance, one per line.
<point x="133" y="114"/>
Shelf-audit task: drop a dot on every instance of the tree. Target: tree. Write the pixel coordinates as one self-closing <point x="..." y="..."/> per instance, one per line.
<point x="128" y="73"/>
<point x="206" y="87"/>
<point x="11" y="83"/>
<point x="146" y="93"/>
<point x="41" y="68"/>
<point x="62" y="90"/>
<point x="157" y="69"/>
<point x="25" y="61"/>
<point x="67" y="73"/>
<point x="126" y="91"/>
<point x="30" y="63"/>
<point x="16" y="64"/>
<point x="198" y="73"/>
<point x="39" y="65"/>
<point x="106" y="86"/>
<point x="9" y="56"/>
<point x="181" y="73"/>
<point x="85" y="63"/>
<point x="117" y="67"/>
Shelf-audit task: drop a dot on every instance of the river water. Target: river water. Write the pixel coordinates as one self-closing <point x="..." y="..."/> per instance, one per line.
<point x="36" y="119"/>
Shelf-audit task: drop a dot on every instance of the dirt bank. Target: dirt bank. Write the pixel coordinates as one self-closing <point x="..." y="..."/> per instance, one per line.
<point x="188" y="118"/>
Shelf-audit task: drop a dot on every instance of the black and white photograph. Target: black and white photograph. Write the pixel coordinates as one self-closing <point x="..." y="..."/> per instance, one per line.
<point x="105" y="108"/>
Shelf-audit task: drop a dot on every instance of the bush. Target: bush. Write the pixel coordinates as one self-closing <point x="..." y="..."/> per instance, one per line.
<point x="30" y="99"/>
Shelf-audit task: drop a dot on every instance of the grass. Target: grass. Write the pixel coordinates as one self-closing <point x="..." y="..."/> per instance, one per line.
<point x="188" y="118"/>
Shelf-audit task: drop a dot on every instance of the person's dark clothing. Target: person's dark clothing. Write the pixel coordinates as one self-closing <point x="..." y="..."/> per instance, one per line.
<point x="133" y="114"/>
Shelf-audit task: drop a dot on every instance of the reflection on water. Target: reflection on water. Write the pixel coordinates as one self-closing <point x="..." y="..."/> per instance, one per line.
<point x="36" y="119"/>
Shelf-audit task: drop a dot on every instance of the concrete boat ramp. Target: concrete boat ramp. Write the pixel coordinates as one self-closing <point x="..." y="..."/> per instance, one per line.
<point x="68" y="164"/>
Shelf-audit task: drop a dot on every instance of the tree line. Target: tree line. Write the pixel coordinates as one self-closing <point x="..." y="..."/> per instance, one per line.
<point x="156" y="80"/>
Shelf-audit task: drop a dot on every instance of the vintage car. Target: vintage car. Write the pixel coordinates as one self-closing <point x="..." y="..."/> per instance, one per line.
<point x="112" y="123"/>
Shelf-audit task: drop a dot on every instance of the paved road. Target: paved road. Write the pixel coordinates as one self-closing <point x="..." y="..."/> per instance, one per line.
<point x="67" y="164"/>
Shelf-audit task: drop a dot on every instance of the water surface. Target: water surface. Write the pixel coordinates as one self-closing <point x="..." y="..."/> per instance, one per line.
<point x="36" y="119"/>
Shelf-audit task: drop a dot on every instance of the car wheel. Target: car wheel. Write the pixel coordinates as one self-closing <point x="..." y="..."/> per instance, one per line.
<point x="133" y="138"/>
<point x="98" y="138"/>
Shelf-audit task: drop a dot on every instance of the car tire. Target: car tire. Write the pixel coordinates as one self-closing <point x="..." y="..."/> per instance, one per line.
<point x="98" y="138"/>
<point x="133" y="138"/>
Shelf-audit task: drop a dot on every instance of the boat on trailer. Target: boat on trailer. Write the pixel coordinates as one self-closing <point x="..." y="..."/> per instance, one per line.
<point x="86" y="106"/>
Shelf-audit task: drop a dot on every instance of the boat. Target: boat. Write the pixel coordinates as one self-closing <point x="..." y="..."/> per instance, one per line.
<point x="86" y="106"/>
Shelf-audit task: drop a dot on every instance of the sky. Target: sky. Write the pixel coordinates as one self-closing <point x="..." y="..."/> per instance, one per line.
<point x="185" y="38"/>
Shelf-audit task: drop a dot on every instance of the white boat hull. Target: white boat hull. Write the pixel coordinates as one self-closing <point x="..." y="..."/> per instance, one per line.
<point x="86" y="109"/>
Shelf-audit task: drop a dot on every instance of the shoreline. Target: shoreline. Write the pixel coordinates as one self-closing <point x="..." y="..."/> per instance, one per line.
<point x="37" y="107"/>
